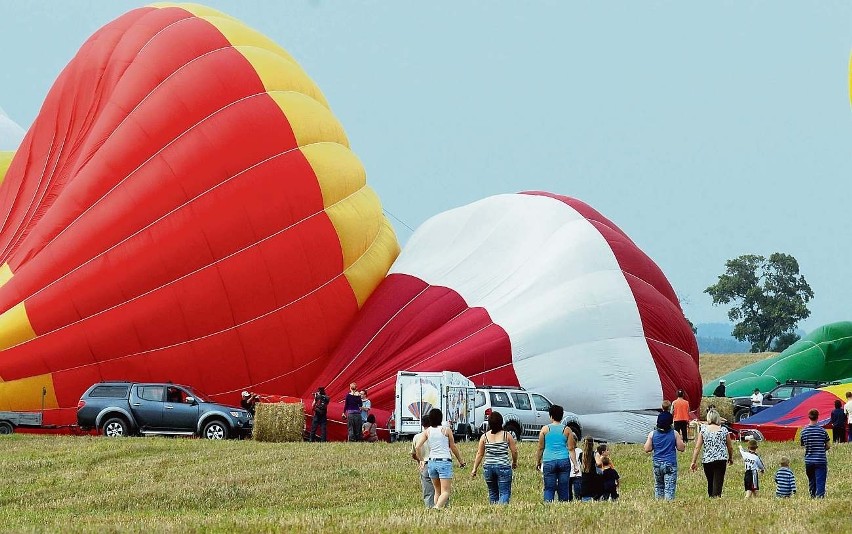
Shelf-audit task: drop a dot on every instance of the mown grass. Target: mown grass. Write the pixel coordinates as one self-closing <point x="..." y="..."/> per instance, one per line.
<point x="57" y="483"/>
<point x="712" y="366"/>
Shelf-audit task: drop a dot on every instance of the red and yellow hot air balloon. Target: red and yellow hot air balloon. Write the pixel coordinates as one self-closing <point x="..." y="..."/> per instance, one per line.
<point x="185" y="207"/>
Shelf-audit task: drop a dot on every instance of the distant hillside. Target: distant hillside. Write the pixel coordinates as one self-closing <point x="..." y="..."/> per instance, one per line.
<point x="718" y="345"/>
<point x="715" y="338"/>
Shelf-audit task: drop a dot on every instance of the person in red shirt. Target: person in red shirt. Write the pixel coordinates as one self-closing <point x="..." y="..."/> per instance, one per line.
<point x="680" y="412"/>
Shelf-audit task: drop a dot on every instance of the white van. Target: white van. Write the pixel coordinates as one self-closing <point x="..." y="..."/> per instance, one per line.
<point x="524" y="412"/>
<point x="417" y="392"/>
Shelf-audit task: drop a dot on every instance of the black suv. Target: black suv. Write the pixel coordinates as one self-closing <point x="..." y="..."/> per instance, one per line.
<point x="130" y="408"/>
<point x="780" y="393"/>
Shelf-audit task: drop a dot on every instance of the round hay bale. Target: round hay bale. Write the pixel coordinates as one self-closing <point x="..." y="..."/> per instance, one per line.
<point x="279" y="422"/>
<point x="724" y="405"/>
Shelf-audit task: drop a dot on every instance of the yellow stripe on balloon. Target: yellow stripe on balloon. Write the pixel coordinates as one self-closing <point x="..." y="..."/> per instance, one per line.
<point x="15" y="327"/>
<point x="25" y="394"/>
<point x="5" y="274"/>
<point x="379" y="257"/>
<point x="5" y="161"/>
<point x="368" y="246"/>
<point x="310" y="121"/>
<point x="278" y="74"/>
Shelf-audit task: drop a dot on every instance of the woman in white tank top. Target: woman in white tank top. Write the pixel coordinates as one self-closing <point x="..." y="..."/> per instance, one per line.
<point x="440" y="463"/>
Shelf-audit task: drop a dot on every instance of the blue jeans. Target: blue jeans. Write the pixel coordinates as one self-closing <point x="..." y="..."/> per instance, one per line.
<point x="556" y="476"/>
<point x="665" y="480"/>
<point x="575" y="485"/>
<point x="817" y="474"/>
<point x="498" y="478"/>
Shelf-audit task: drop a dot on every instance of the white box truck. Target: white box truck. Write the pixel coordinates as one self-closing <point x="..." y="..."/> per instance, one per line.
<point x="417" y="392"/>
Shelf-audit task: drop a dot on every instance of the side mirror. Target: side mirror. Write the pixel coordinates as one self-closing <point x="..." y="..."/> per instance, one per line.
<point x="190" y="400"/>
<point x="767" y="396"/>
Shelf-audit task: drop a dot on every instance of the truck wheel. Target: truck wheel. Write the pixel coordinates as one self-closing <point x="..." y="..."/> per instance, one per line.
<point x="514" y="430"/>
<point x="6" y="428"/>
<point x="115" y="427"/>
<point x="215" y="429"/>
<point x="741" y="414"/>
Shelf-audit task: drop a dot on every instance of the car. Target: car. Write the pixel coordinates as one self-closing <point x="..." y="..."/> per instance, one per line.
<point x="122" y="408"/>
<point x="743" y="407"/>
<point x="524" y="412"/>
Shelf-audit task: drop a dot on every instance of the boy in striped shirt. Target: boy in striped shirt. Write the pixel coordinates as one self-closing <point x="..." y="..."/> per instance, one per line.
<point x="785" y="480"/>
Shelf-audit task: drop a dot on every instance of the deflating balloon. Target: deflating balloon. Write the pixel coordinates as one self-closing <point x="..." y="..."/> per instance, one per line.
<point x="823" y="355"/>
<point x="537" y="290"/>
<point x="785" y="420"/>
<point x="191" y="213"/>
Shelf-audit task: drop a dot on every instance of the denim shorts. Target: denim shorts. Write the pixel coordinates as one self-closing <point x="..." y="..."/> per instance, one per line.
<point x="442" y="469"/>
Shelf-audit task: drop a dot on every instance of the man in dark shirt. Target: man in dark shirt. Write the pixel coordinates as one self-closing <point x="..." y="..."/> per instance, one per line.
<point x="720" y="389"/>
<point x="319" y="420"/>
<point x="352" y="412"/>
<point x="248" y="401"/>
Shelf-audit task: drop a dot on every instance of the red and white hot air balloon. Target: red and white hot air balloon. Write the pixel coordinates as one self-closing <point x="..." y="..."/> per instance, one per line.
<point x="532" y="289"/>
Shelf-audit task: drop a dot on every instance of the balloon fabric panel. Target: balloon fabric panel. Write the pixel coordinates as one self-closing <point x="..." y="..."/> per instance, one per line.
<point x="409" y="325"/>
<point x="202" y="209"/>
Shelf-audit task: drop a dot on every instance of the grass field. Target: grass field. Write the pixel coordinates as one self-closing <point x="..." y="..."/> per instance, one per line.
<point x="712" y="366"/>
<point x="53" y="483"/>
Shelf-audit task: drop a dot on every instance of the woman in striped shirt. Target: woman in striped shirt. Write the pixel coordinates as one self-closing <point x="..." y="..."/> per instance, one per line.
<point x="495" y="447"/>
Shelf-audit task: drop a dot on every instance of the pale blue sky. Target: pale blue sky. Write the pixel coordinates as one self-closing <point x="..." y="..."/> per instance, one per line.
<point x="704" y="130"/>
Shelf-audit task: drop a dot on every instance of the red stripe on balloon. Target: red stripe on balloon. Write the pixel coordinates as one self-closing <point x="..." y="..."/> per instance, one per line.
<point x="407" y="325"/>
<point x="54" y="147"/>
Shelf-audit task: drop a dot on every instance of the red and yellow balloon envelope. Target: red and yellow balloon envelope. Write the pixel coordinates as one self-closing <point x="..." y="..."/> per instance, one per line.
<point x="537" y="290"/>
<point x="185" y="207"/>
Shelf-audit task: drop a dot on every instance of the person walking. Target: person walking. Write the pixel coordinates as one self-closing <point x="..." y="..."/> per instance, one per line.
<point x="555" y="455"/>
<point x="664" y="443"/>
<point x="680" y="409"/>
<point x="428" y="490"/>
<point x="838" y="423"/>
<point x="495" y="448"/>
<point x="352" y="412"/>
<point x="714" y="443"/>
<point x="575" y="481"/>
<point x="848" y="409"/>
<point x="590" y="480"/>
<point x="815" y="440"/>
<point x="785" y="480"/>
<point x="441" y="445"/>
<point x="753" y="465"/>
<point x="319" y="421"/>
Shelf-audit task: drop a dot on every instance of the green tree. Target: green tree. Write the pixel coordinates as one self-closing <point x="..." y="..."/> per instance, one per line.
<point x="770" y="298"/>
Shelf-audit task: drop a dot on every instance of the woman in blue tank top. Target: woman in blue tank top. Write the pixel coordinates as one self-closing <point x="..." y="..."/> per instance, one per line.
<point x="556" y="455"/>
